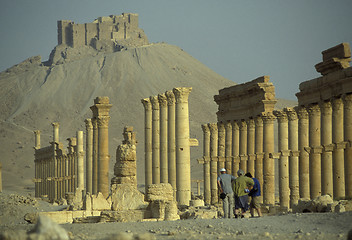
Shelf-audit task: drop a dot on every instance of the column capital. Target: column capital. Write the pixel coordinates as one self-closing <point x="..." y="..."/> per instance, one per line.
<point x="268" y="117"/>
<point x="234" y="125"/>
<point x="146" y="103"/>
<point x="228" y="126"/>
<point x="155" y="102"/>
<point x="250" y="123"/>
<point x="221" y="127"/>
<point x="36" y="132"/>
<point x="337" y="103"/>
<point x="326" y="108"/>
<point x="94" y="123"/>
<point x="205" y="128"/>
<point x="181" y="94"/>
<point x="313" y="109"/>
<point x="291" y="113"/>
<point x="242" y="124"/>
<point x="162" y="100"/>
<point x="281" y="116"/>
<point x="347" y="98"/>
<point x="101" y="106"/>
<point x="55" y="124"/>
<point x="302" y="112"/>
<point x="89" y="124"/>
<point x="170" y="97"/>
<point x="258" y="121"/>
<point x="103" y="121"/>
<point x="213" y="127"/>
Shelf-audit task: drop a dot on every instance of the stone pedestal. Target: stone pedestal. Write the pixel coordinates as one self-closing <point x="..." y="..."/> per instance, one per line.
<point x="101" y="110"/>
<point x="89" y="155"/>
<point x="315" y="151"/>
<point x="326" y="142"/>
<point x="148" y="142"/>
<point x="235" y="148"/>
<point x="284" y="192"/>
<point x="338" y="153"/>
<point x="155" y="139"/>
<point x="303" y="142"/>
<point x="213" y="162"/>
<point x="268" y="162"/>
<point x="347" y="120"/>
<point x="163" y="138"/>
<point x="183" y="155"/>
<point x="206" y="164"/>
<point x="293" y="159"/>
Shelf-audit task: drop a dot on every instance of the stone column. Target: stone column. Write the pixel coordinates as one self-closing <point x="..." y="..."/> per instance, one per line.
<point x="235" y="148"/>
<point x="338" y="153"/>
<point x="206" y="165"/>
<point x="55" y="131"/>
<point x="347" y="120"/>
<point x="155" y="139"/>
<point x="303" y="142"/>
<point x="315" y="151"/>
<point x="259" y="152"/>
<point x="268" y="162"/>
<point x="0" y="177"/>
<point x="148" y="142"/>
<point x="80" y="161"/>
<point x="183" y="153"/>
<point x="251" y="146"/>
<point x="228" y="147"/>
<point x="37" y="139"/>
<point x="213" y="162"/>
<point x="95" y="156"/>
<point x="221" y="145"/>
<point x="284" y="191"/>
<point x="171" y="140"/>
<point x="243" y="145"/>
<point x="101" y="110"/>
<point x="326" y="142"/>
<point x="293" y="159"/>
<point x="89" y="154"/>
<point x="163" y="138"/>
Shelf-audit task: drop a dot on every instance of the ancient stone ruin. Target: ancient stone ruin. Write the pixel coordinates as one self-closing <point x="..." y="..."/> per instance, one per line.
<point x="314" y="138"/>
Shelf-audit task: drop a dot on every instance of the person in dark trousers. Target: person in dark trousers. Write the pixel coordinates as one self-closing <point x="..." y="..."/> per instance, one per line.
<point x="254" y="194"/>
<point x="240" y="188"/>
<point x="226" y="192"/>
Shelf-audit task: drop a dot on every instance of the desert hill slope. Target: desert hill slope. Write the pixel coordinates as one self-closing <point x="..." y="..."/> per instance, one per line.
<point x="32" y="96"/>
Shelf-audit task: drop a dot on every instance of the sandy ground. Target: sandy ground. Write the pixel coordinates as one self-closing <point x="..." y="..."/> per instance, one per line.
<point x="13" y="207"/>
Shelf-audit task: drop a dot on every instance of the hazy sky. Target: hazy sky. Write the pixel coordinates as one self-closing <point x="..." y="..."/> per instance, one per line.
<point x="240" y="40"/>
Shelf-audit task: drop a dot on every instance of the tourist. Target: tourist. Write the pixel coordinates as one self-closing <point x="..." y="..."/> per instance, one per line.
<point x="226" y="193"/>
<point x="240" y="187"/>
<point x="254" y="194"/>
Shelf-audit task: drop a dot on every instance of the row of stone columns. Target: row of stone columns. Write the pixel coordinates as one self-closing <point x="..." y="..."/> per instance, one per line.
<point x="167" y="142"/>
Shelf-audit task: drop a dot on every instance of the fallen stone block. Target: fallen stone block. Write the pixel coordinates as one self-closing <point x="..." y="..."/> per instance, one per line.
<point x="126" y="196"/>
<point x="124" y="216"/>
<point x="161" y="191"/>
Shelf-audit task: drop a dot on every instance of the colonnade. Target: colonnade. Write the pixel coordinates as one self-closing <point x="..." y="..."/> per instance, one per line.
<point x="167" y="142"/>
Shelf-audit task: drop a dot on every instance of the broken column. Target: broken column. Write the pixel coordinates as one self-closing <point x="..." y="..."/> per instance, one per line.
<point x="206" y="164"/>
<point x="315" y="151"/>
<point x="163" y="138"/>
<point x="37" y="139"/>
<point x="89" y="154"/>
<point x="148" y="142"/>
<point x="268" y="162"/>
<point x="284" y="192"/>
<point x="101" y="110"/>
<point x="55" y="131"/>
<point x="303" y="141"/>
<point x="155" y="139"/>
<point x="183" y="165"/>
<point x="347" y="115"/>
<point x="213" y="162"/>
<point x="338" y="153"/>
<point x="171" y="140"/>
<point x="326" y="142"/>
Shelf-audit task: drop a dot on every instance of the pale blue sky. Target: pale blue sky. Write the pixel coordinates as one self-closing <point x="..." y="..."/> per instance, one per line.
<point x="240" y="40"/>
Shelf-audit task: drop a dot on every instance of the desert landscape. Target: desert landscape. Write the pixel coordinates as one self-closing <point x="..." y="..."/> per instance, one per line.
<point x="34" y="94"/>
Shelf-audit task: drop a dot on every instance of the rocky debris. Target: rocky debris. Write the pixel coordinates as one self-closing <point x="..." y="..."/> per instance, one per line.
<point x="124" y="215"/>
<point x="126" y="196"/>
<point x="322" y="203"/>
<point x="209" y="212"/>
<point x="25" y="65"/>
<point x="131" y="236"/>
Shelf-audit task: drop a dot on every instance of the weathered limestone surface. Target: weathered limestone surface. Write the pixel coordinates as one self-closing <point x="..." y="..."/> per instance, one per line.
<point x="161" y="191"/>
<point x="126" y="197"/>
<point x="148" y="142"/>
<point x="130" y="215"/>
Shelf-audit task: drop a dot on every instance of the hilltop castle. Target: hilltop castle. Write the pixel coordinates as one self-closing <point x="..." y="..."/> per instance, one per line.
<point x="113" y="32"/>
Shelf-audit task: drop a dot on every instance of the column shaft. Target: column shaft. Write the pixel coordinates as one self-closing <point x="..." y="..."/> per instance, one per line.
<point x="206" y="166"/>
<point x="243" y="145"/>
<point x="338" y="153"/>
<point x="148" y="165"/>
<point x="228" y="147"/>
<point x="303" y="142"/>
<point x="235" y="148"/>
<point x="80" y="160"/>
<point x="213" y="162"/>
<point x="259" y="152"/>
<point x="171" y="140"/>
<point x="155" y="139"/>
<point x="89" y="155"/>
<point x="221" y="145"/>
<point x="163" y="138"/>
<point x="348" y="139"/>
<point x="251" y="146"/>
<point x="55" y="131"/>
<point x="95" y="157"/>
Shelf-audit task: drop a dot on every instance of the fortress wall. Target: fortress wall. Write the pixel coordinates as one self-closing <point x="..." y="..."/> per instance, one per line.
<point x="104" y="31"/>
<point x="64" y="35"/>
<point x="78" y="35"/>
<point x="91" y="30"/>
